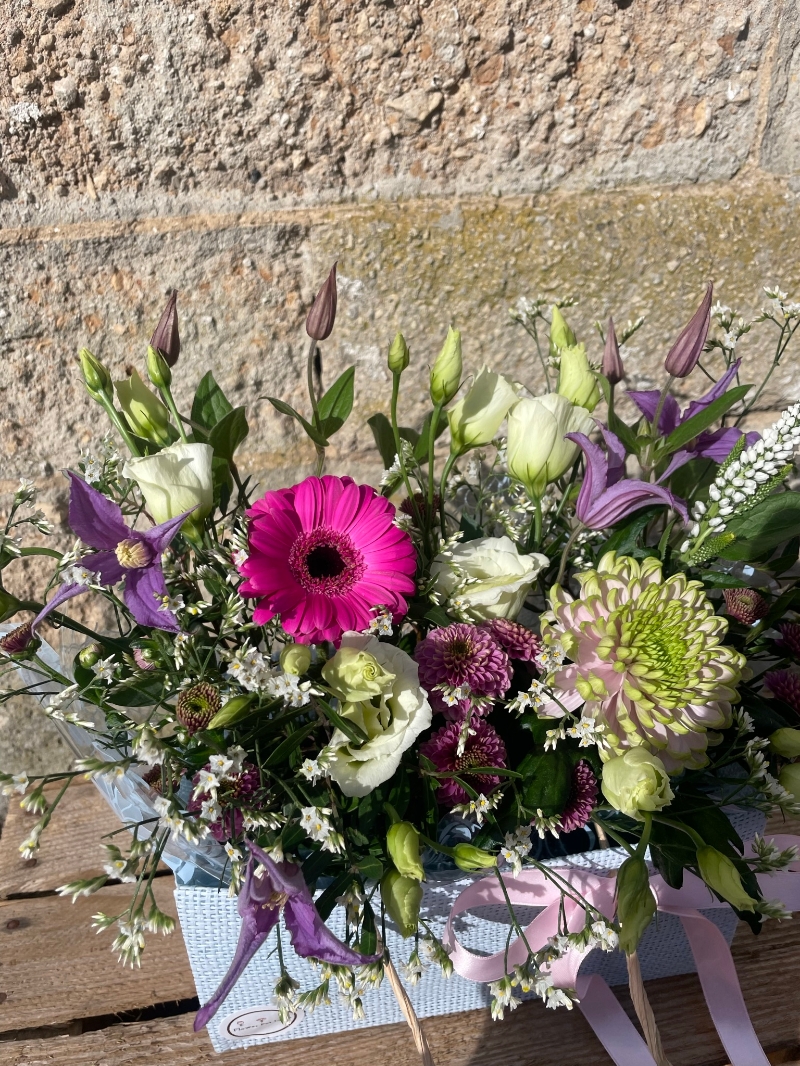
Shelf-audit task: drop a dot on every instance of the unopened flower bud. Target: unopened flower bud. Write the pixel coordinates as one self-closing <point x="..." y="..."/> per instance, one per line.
<point x="146" y="414"/>
<point x="612" y="361"/>
<point x="95" y="375"/>
<point x="475" y="419"/>
<point x="446" y="371"/>
<point x="236" y="709"/>
<point x="685" y="353"/>
<point x="468" y="857"/>
<point x="89" y="655"/>
<point x="402" y="843"/>
<point x="158" y="369"/>
<point x="576" y="380"/>
<point x="402" y="897"/>
<point x="295" y="659"/>
<point x="322" y="316"/>
<point x="636" y="904"/>
<point x="789" y="777"/>
<point x="745" y="605"/>
<point x="19" y="640"/>
<point x="561" y="336"/>
<point x="165" y="337"/>
<point x="399" y="356"/>
<point x="786" y="742"/>
<point x="721" y="875"/>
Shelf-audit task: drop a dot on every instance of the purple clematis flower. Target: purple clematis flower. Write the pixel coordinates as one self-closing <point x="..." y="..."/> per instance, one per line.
<point x="710" y="444"/>
<point x="279" y="886"/>
<point x="122" y="552"/>
<point x="604" y="499"/>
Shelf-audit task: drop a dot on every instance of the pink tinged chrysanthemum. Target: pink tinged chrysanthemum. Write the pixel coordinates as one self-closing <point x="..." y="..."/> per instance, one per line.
<point x="582" y="798"/>
<point x="790" y="638"/>
<point x="462" y="656"/>
<point x="784" y="685"/>
<point x="484" y="748"/>
<point x="647" y="660"/>
<point x="517" y="641"/>
<point x="323" y="555"/>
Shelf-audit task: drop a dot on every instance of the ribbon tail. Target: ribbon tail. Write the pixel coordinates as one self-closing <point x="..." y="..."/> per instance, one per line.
<point x="610" y="1024"/>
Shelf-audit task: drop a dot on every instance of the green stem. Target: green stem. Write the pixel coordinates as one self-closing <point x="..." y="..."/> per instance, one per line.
<point x="448" y="466"/>
<point x="437" y="411"/>
<point x="69" y="623"/>
<point x="697" y="840"/>
<point x="123" y="430"/>
<point x="166" y="392"/>
<point x="645" y="838"/>
<point x="517" y="927"/>
<point x="535" y="531"/>
<point x="312" y="351"/>
<point x="563" y="564"/>
<point x="398" y="447"/>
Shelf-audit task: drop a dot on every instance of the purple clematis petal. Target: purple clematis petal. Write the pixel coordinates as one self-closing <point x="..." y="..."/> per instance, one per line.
<point x="66" y="592"/>
<point x="159" y="537"/>
<point x="97" y="520"/>
<point x="260" y="902"/>
<point x="719" y="388"/>
<point x="616" y="455"/>
<point x="106" y="565"/>
<point x="647" y="402"/>
<point x="144" y="592"/>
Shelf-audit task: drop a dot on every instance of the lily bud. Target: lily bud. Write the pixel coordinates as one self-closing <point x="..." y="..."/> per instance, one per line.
<point x="786" y="742"/>
<point x="399" y="356"/>
<point x="720" y="874"/>
<point x="686" y="351"/>
<point x="561" y="336"/>
<point x="475" y="420"/>
<point x="576" y="381"/>
<point x="745" y="605"/>
<point x="321" y="317"/>
<point x="612" y="363"/>
<point x="402" y="897"/>
<point x="789" y="777"/>
<point x="446" y="371"/>
<point x="158" y="369"/>
<point x="295" y="659"/>
<point x="636" y="903"/>
<point x="146" y="414"/>
<point x="95" y="375"/>
<point x="468" y="857"/>
<point x="402" y="843"/>
<point x="165" y="337"/>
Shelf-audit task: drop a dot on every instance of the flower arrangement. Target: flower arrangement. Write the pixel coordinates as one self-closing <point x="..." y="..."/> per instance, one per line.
<point x="576" y="630"/>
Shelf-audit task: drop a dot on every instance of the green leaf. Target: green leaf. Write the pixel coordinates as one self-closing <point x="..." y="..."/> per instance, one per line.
<point x="421" y="449"/>
<point x="370" y="868"/>
<point x="713" y="579"/>
<point x="290" y="744"/>
<point x="775" y="520"/>
<point x="316" y="865"/>
<point x="549" y="777"/>
<point x="337" y="403"/>
<point x="287" y="409"/>
<point x="694" y="426"/>
<point x="470" y="529"/>
<point x="228" y="433"/>
<point x="411" y="435"/>
<point x="354" y="733"/>
<point x="626" y="538"/>
<point x="439" y="617"/>
<point x="210" y="404"/>
<point x="327" y="901"/>
<point x="368" y="940"/>
<point x="384" y="437"/>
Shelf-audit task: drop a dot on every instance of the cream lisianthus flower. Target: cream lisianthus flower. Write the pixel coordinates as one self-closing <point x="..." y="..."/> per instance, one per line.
<point x="475" y="419"/>
<point x="486" y="578"/>
<point x="175" y="480"/>
<point x="636" y="781"/>
<point x="393" y="717"/>
<point x="536" y="449"/>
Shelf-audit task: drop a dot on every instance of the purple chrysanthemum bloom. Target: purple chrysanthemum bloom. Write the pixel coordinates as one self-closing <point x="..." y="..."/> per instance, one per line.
<point x="483" y="748"/>
<point x="784" y="685"/>
<point x="745" y="605"/>
<point x="243" y="789"/>
<point x="582" y="798"/>
<point x="121" y="552"/>
<point x="790" y="638"/>
<point x="515" y="640"/>
<point x="462" y="655"/>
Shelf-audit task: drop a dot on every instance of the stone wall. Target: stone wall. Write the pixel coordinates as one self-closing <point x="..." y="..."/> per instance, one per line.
<point x="452" y="156"/>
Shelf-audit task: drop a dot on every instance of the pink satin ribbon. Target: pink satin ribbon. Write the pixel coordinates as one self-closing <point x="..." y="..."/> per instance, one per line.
<point x="599" y="1005"/>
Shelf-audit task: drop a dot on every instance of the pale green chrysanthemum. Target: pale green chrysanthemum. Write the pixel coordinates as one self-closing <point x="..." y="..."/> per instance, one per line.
<point x="647" y="657"/>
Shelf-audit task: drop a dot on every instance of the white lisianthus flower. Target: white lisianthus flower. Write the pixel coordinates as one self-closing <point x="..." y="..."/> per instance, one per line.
<point x="175" y="480"/>
<point x="392" y="718"/>
<point x="475" y="419"/>
<point x="486" y="578"/>
<point x="636" y="781"/>
<point x="536" y="449"/>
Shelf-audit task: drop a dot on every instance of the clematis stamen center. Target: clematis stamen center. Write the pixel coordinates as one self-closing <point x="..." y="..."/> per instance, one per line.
<point x="133" y="554"/>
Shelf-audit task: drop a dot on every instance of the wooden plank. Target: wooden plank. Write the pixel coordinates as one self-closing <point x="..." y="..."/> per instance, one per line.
<point x="54" y="968"/>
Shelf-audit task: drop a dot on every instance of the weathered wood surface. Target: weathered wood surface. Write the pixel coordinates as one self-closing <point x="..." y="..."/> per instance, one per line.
<point x="56" y="972"/>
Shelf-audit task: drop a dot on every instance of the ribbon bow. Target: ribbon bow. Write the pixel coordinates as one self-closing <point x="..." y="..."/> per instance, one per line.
<point x="600" y="1007"/>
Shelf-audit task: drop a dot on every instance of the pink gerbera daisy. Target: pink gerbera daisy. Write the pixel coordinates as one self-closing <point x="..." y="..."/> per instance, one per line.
<point x="462" y="656"/>
<point x="483" y="748"/>
<point x="582" y="798"/>
<point x="324" y="555"/>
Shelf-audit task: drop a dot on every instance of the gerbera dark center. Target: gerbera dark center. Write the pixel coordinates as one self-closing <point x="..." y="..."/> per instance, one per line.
<point x="324" y="561"/>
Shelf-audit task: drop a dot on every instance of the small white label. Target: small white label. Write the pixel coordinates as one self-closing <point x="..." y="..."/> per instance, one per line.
<point x="257" y="1021"/>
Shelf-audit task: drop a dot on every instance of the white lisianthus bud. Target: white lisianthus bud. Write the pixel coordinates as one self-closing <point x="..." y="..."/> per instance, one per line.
<point x="636" y="781"/>
<point x="475" y="420"/>
<point x="537" y="451"/>
<point x="146" y="414"/>
<point x="576" y="381"/>
<point x="446" y="371"/>
<point x="175" y="480"/>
